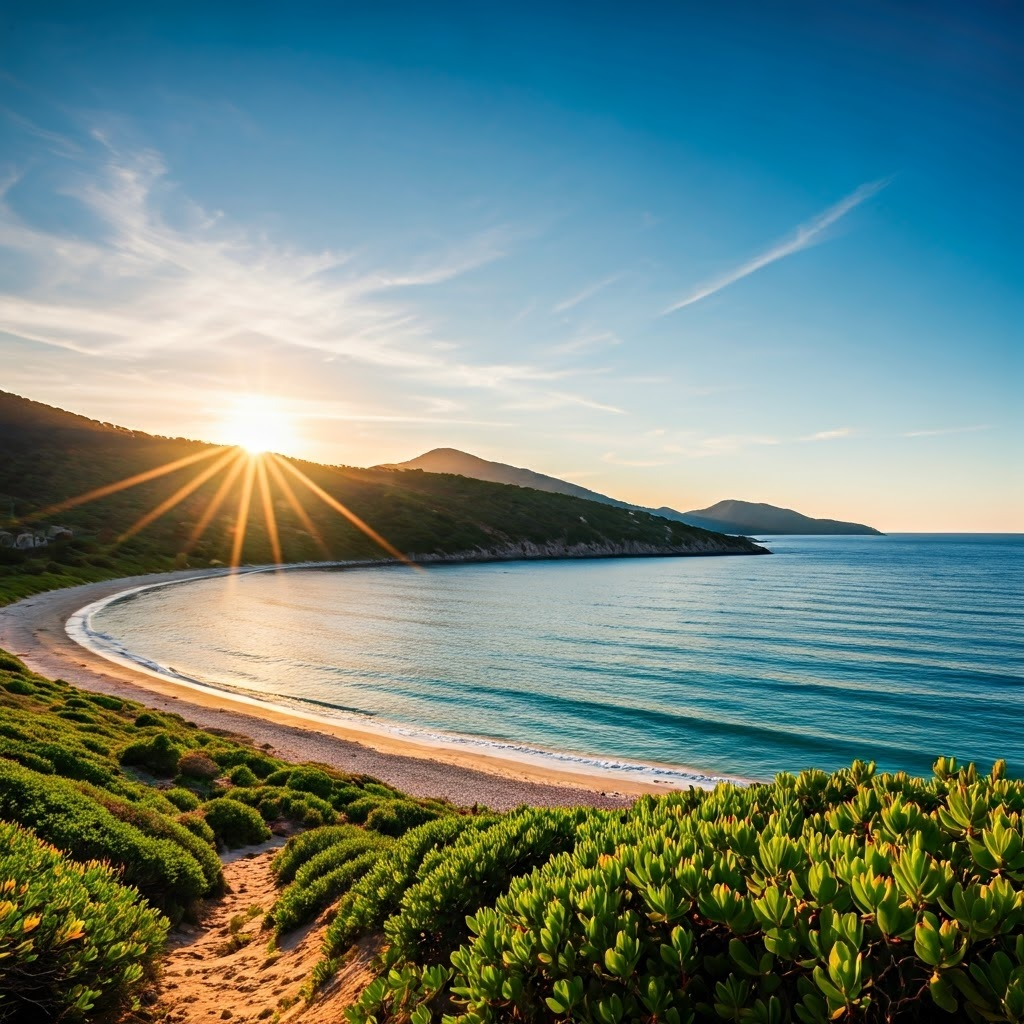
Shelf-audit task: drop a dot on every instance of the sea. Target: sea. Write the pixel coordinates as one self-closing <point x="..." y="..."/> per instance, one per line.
<point x="894" y="649"/>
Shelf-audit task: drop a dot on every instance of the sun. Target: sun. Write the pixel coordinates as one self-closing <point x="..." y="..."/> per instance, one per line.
<point x="258" y="424"/>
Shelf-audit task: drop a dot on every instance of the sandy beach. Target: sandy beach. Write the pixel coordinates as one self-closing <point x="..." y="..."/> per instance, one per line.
<point x="34" y="630"/>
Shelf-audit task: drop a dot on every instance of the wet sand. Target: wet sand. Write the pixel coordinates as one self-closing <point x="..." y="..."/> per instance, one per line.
<point x="34" y="630"/>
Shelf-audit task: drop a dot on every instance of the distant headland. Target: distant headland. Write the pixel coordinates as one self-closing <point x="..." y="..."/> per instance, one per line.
<point x="730" y="516"/>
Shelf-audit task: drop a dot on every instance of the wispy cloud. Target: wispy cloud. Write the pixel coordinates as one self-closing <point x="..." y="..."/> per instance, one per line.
<point x="942" y="431"/>
<point x="560" y="399"/>
<point x="164" y="276"/>
<point x="585" y="342"/>
<point x="829" y="435"/>
<point x="586" y="293"/>
<point x="805" y="235"/>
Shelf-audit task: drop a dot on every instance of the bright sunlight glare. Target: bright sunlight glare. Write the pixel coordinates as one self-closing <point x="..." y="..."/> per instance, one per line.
<point x="258" y="424"/>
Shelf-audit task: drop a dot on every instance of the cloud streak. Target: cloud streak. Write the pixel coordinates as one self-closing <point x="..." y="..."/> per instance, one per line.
<point x="586" y="293"/>
<point x="164" y="277"/>
<point x="805" y="236"/>
<point x="829" y="435"/>
<point x="943" y="431"/>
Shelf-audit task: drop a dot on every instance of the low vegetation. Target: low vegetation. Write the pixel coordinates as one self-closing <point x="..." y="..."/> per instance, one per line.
<point x="852" y="896"/>
<point x="74" y="941"/>
<point x="111" y="819"/>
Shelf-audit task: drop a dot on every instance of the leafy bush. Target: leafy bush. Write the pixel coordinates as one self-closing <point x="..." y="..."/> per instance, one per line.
<point x="242" y="775"/>
<point x="197" y="824"/>
<point x="73" y="941"/>
<point x="338" y="854"/>
<point x="169" y="876"/>
<point x="259" y="764"/>
<point x="158" y="755"/>
<point x="359" y="810"/>
<point x="183" y="799"/>
<point x="274" y="802"/>
<point x="311" y="780"/>
<point x="376" y="895"/>
<point x="299" y="904"/>
<point x="396" y="817"/>
<point x="235" y="824"/>
<point x="850" y="896"/>
<point x="197" y="765"/>
<point x="299" y="849"/>
<point x="457" y="881"/>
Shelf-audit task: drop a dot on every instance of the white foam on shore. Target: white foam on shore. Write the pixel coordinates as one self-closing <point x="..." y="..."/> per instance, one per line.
<point x="81" y="629"/>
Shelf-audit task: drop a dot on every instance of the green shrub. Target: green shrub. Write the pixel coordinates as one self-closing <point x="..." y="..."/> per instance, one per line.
<point x="299" y="849"/>
<point x="235" y="824"/>
<point x="73" y="941"/>
<point x="183" y="799"/>
<point x="275" y="802"/>
<point x="359" y="810"/>
<point x="345" y="794"/>
<point x="338" y="854"/>
<point x="242" y="775"/>
<point x="855" y="896"/>
<point x="158" y="755"/>
<point x="299" y="904"/>
<point x="311" y="780"/>
<point x="197" y="765"/>
<point x="396" y="817"/>
<point x="376" y="896"/>
<point x="260" y="764"/>
<point x="432" y="918"/>
<point x="109" y="703"/>
<point x="279" y="777"/>
<point x="168" y="876"/>
<point x="19" y="686"/>
<point x="148" y="718"/>
<point x="197" y="824"/>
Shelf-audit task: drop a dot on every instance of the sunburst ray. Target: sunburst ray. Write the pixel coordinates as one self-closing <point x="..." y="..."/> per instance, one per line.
<point x="296" y="505"/>
<point x="131" y="481"/>
<point x="269" y="518"/>
<point x="178" y="496"/>
<point x="242" y="518"/>
<point x="346" y="512"/>
<point x="216" y="501"/>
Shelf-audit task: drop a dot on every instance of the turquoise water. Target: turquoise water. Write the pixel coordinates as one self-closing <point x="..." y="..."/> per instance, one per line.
<point x="892" y="648"/>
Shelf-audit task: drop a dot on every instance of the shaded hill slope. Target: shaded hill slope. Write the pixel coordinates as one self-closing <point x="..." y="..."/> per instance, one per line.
<point x="730" y="517"/>
<point x="734" y="516"/>
<point x="49" y="456"/>
<point x="451" y="460"/>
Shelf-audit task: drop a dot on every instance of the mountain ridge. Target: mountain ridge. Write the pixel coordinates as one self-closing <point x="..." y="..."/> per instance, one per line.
<point x="125" y="502"/>
<point x="730" y="516"/>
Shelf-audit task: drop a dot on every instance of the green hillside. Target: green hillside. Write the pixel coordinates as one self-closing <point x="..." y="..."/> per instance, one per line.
<point x="50" y="456"/>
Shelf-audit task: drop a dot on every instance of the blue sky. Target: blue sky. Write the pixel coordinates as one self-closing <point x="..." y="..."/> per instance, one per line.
<point x="674" y="252"/>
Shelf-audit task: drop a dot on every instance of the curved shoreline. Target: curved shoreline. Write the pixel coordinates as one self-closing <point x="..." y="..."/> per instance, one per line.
<point x="36" y="630"/>
<point x="613" y="771"/>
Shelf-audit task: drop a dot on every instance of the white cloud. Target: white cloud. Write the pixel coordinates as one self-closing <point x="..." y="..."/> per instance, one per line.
<point x="805" y="235"/>
<point x="829" y="435"/>
<point x="561" y="399"/>
<point x="189" y="285"/>
<point x="586" y="293"/>
<point x="585" y="342"/>
<point x="942" y="431"/>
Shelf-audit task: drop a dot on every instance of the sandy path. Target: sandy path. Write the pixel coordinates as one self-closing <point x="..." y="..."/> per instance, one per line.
<point x="33" y="630"/>
<point x="213" y="971"/>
